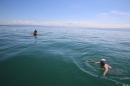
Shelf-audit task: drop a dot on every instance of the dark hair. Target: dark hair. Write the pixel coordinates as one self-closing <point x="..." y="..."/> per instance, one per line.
<point x="102" y="63"/>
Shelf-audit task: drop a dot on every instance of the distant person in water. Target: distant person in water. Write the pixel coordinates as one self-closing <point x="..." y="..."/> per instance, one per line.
<point x="35" y="33"/>
<point x="103" y="64"/>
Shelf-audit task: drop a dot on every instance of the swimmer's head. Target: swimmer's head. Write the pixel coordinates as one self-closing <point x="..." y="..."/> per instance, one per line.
<point x="103" y="60"/>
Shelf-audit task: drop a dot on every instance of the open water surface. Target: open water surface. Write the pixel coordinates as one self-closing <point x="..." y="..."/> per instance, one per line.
<point x="57" y="56"/>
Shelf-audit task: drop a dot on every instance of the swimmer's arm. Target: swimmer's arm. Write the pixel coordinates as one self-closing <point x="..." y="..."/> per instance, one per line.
<point x="97" y="62"/>
<point x="109" y="66"/>
<point x="106" y="69"/>
<point x="89" y="61"/>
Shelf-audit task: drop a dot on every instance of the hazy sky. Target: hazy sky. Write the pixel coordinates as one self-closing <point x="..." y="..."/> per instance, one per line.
<point x="88" y="13"/>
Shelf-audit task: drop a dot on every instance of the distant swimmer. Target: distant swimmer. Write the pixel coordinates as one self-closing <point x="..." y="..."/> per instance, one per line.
<point x="35" y="33"/>
<point x="102" y="63"/>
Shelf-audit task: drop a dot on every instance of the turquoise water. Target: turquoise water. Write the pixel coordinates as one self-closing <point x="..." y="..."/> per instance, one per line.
<point x="57" y="55"/>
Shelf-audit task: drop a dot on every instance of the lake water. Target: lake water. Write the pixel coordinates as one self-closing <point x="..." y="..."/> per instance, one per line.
<point x="57" y="56"/>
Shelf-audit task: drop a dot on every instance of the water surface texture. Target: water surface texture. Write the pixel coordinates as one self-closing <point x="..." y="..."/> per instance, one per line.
<point x="57" y="56"/>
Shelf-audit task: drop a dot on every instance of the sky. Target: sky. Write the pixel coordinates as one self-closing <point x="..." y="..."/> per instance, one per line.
<point x="86" y="13"/>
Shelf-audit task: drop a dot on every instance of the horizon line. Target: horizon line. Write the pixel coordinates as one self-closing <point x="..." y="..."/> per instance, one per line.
<point x="68" y="23"/>
<point x="63" y="26"/>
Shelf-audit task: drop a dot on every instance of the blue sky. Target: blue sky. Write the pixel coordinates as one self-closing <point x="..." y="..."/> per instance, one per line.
<point x="87" y="13"/>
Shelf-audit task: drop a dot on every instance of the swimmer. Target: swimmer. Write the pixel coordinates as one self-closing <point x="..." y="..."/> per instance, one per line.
<point x="35" y="32"/>
<point x="102" y="63"/>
